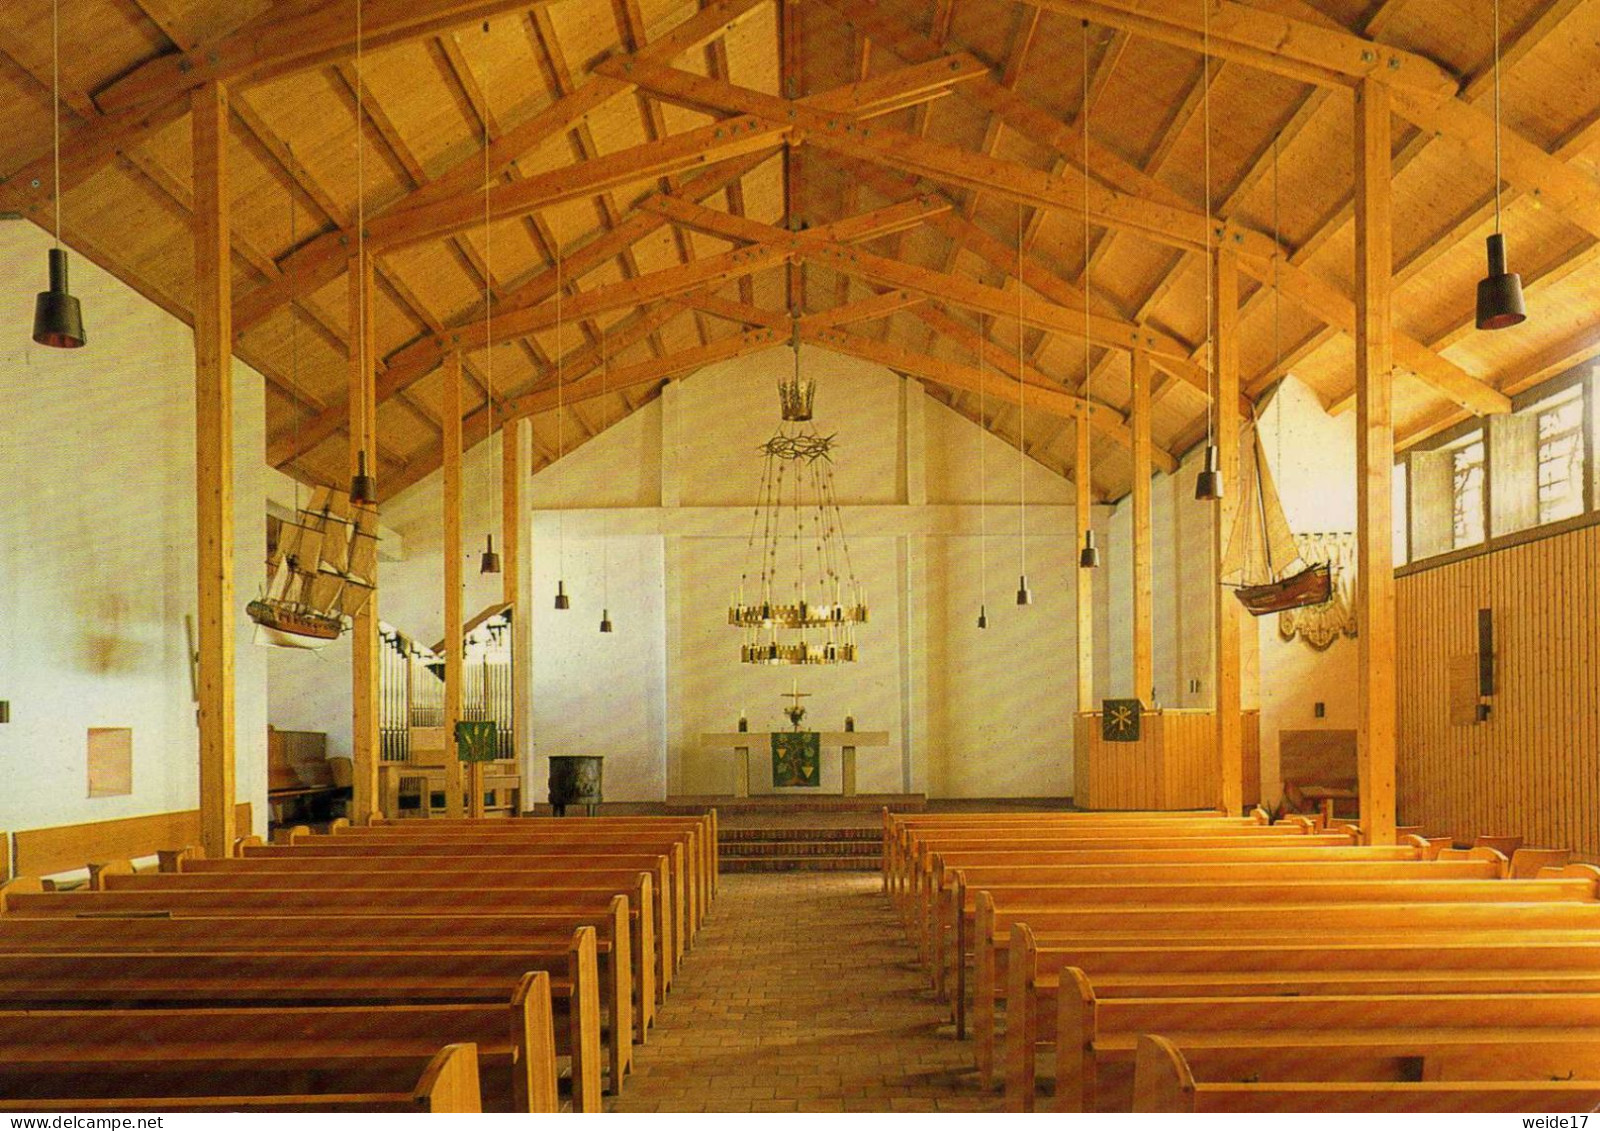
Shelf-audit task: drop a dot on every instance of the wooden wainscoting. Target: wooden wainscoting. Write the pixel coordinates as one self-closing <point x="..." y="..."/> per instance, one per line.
<point x="66" y="848"/>
<point x="1173" y="766"/>
<point x="1533" y="767"/>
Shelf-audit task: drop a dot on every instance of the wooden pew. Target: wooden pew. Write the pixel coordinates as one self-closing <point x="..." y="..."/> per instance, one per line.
<point x="199" y="977"/>
<point x="1095" y="1032"/>
<point x="439" y="933"/>
<point x="705" y="826"/>
<point x="517" y="885"/>
<point x="1163" y="1082"/>
<point x="516" y="1055"/>
<point x="920" y="846"/>
<point x="448" y="1083"/>
<point x="951" y="904"/>
<point x="921" y="867"/>
<point x="960" y="888"/>
<point x="329" y="899"/>
<point x="695" y="835"/>
<point x="1146" y="968"/>
<point x="380" y="855"/>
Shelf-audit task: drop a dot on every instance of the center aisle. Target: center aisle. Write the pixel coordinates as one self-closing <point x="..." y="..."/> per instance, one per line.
<point x="801" y="994"/>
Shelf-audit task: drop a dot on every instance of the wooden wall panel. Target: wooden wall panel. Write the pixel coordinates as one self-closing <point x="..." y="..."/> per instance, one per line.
<point x="1532" y="768"/>
<point x="65" y="848"/>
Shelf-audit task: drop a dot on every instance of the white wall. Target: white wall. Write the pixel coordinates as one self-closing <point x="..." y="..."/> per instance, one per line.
<point x="671" y="490"/>
<point x="97" y="542"/>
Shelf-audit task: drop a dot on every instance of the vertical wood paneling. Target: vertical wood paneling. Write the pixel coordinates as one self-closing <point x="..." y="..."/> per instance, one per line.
<point x="1531" y="769"/>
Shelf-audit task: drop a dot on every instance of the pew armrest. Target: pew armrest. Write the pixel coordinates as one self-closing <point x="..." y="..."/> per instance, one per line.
<point x="1162" y="1081"/>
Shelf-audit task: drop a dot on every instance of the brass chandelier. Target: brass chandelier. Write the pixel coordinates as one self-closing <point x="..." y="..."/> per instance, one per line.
<point x="807" y="599"/>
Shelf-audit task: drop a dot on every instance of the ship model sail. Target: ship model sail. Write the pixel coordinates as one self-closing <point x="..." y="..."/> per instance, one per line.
<point x="1262" y="554"/>
<point x="320" y="575"/>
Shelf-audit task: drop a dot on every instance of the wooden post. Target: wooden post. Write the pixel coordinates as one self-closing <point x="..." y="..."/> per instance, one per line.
<point x="364" y="643"/>
<point x="1143" y="585"/>
<point x="1083" y="518"/>
<point x="1375" y="602"/>
<point x="510" y="565"/>
<point x="213" y="373"/>
<point x="1229" y="737"/>
<point x="450" y="417"/>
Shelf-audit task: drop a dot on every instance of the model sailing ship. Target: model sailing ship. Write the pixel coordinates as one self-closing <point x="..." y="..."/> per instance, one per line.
<point x="320" y="575"/>
<point x="1262" y="551"/>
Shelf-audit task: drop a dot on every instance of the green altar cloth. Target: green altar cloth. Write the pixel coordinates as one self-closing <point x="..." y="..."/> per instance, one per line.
<point x="796" y="758"/>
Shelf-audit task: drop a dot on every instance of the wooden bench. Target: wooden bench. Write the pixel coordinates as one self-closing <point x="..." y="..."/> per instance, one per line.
<point x="448" y="1083"/>
<point x="1164" y="1082"/>
<point x="440" y="931"/>
<point x="516" y="1054"/>
<point x="318" y="974"/>
<point x="408" y="875"/>
<point x="1287" y="965"/>
<point x="696" y="836"/>
<point x="951" y="903"/>
<point x="703" y="842"/>
<point x="648" y="961"/>
<point x="959" y="890"/>
<point x="1095" y="1032"/>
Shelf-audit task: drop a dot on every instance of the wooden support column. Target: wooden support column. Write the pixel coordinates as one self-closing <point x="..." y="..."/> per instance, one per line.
<point x="1143" y="586"/>
<point x="1229" y="738"/>
<point x="1375" y="602"/>
<point x="364" y="643"/>
<point x="450" y="417"/>
<point x="1083" y="518"/>
<point x="213" y="372"/>
<point x="511" y="567"/>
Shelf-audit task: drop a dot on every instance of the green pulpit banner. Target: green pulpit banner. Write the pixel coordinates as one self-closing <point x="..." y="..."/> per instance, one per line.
<point x="476" y="741"/>
<point x="796" y="758"/>
<point x="1119" y="720"/>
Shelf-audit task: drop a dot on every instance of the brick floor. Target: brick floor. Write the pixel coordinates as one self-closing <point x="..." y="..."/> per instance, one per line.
<point x="801" y="994"/>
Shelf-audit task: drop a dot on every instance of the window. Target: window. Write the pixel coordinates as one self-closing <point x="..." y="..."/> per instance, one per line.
<point x="1466" y="491"/>
<point x="1402" y="544"/>
<point x="1561" y="463"/>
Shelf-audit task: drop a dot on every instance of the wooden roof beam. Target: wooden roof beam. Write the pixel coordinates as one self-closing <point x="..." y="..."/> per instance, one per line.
<point x="970" y="340"/>
<point x="322" y="259"/>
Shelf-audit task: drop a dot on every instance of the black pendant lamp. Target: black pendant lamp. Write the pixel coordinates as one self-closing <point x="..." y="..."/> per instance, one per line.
<point x="57" y="317"/>
<point x="1089" y="557"/>
<point x="605" y="620"/>
<point x="1208" y="487"/>
<point x="562" y="600"/>
<point x="363" y="489"/>
<point x="1024" y="594"/>
<point x="1500" y="302"/>
<point x="983" y="616"/>
<point x="489" y="561"/>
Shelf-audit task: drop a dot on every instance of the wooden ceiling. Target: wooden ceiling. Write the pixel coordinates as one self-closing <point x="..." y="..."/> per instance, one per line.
<point x="706" y="168"/>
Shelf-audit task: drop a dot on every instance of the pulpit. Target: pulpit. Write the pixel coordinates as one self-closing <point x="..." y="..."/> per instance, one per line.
<point x="742" y="743"/>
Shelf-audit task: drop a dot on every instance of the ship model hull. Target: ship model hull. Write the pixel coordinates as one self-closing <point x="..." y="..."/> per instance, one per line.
<point x="1311" y="586"/>
<point x="284" y="628"/>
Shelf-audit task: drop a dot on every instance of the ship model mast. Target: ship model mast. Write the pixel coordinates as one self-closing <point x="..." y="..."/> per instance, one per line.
<point x="320" y="575"/>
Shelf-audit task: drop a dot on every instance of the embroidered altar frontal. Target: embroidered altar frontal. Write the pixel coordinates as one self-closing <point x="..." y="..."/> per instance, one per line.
<point x="796" y="758"/>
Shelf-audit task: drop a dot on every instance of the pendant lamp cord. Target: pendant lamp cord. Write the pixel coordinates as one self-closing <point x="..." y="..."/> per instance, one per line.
<point x="55" y="94"/>
<point x="561" y="434"/>
<point x="1497" y="116"/>
<point x="294" y="317"/>
<point x="1022" y="401"/>
<point x="605" y="517"/>
<point x="983" y="467"/>
<point x="1088" y="393"/>
<point x="488" y="287"/>
<point x="1211" y="344"/>
<point x="361" y="230"/>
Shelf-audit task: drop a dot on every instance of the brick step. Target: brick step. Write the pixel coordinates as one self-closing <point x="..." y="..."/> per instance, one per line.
<point x="798" y="848"/>
<point x="801" y="864"/>
<point x="769" y="835"/>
